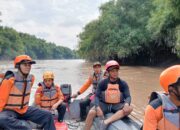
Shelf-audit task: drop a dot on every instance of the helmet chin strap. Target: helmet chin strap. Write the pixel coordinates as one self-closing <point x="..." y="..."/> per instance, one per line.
<point x="24" y="75"/>
<point x="177" y="94"/>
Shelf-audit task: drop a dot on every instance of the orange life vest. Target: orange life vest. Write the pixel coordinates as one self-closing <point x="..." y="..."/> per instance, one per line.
<point x="171" y="115"/>
<point x="49" y="96"/>
<point x="112" y="94"/>
<point x="20" y="92"/>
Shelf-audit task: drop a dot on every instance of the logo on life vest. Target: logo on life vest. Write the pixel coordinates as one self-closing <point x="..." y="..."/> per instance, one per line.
<point x="112" y="94"/>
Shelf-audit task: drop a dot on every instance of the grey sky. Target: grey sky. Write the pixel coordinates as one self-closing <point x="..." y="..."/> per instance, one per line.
<point x="58" y="21"/>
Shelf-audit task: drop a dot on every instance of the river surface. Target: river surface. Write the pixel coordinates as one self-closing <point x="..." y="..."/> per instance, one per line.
<point x="141" y="80"/>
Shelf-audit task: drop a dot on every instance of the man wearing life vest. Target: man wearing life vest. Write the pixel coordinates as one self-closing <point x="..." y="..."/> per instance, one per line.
<point x="163" y="113"/>
<point x="49" y="96"/>
<point x="112" y="96"/>
<point x="94" y="80"/>
<point x="15" y="91"/>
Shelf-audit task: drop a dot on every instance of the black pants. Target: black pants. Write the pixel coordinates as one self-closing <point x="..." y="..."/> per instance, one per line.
<point x="11" y="120"/>
<point x="83" y="106"/>
<point x="61" y="111"/>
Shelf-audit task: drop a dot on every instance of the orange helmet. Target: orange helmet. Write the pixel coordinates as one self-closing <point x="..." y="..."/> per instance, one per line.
<point x="22" y="58"/>
<point x="48" y="75"/>
<point x="169" y="76"/>
<point x="111" y="63"/>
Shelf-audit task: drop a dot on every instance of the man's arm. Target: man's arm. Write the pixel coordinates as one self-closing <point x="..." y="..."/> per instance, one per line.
<point x="99" y="92"/>
<point x="5" y="89"/>
<point x="151" y="118"/>
<point x="126" y="93"/>
<point x="38" y="95"/>
<point x="60" y="97"/>
<point x="84" y="87"/>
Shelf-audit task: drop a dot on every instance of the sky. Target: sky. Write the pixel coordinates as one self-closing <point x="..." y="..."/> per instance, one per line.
<point x="57" y="21"/>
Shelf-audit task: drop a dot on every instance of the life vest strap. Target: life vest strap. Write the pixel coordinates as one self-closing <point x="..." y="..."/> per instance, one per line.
<point x="22" y="81"/>
<point x="17" y="105"/>
<point x="19" y="95"/>
<point x="49" y="99"/>
<point x="172" y="111"/>
<point x="49" y="90"/>
<point x="46" y="106"/>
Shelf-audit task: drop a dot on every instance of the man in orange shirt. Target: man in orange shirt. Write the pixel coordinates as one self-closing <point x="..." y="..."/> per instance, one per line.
<point x="93" y="79"/>
<point x="163" y="113"/>
<point x="15" y="92"/>
<point x="49" y="96"/>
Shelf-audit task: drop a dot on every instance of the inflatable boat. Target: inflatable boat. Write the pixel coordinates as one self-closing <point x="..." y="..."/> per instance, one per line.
<point x="72" y="116"/>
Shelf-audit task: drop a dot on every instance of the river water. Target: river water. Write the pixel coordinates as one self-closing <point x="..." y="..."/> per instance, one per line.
<point x="141" y="80"/>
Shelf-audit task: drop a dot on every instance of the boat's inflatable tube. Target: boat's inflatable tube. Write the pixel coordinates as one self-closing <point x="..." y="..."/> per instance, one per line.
<point x="124" y="124"/>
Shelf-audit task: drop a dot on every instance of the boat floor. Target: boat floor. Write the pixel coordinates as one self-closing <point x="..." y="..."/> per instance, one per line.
<point x="74" y="125"/>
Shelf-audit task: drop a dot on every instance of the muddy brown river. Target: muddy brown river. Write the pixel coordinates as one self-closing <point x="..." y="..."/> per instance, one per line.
<point x="141" y="80"/>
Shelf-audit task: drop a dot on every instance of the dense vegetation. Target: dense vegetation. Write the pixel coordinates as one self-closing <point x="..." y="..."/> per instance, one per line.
<point x="133" y="32"/>
<point x="13" y="43"/>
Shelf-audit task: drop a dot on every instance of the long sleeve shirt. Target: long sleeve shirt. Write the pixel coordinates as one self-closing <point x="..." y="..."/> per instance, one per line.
<point x="123" y="87"/>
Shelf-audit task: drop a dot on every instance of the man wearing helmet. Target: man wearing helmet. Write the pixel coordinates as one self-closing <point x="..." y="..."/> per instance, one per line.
<point x="15" y="92"/>
<point x="112" y="96"/>
<point x="94" y="80"/>
<point x="49" y="96"/>
<point x="163" y="113"/>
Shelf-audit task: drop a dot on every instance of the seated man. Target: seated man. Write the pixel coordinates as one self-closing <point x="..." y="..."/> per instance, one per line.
<point x="15" y="92"/>
<point x="163" y="113"/>
<point x="112" y="95"/>
<point x="93" y="79"/>
<point x="49" y="96"/>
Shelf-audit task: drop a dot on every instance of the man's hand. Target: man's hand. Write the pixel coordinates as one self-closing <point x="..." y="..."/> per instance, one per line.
<point x="54" y="107"/>
<point x="99" y="111"/>
<point x="126" y="108"/>
<point x="74" y="95"/>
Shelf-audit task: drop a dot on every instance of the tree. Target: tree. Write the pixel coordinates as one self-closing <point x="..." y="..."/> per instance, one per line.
<point x="125" y="31"/>
<point x="13" y="43"/>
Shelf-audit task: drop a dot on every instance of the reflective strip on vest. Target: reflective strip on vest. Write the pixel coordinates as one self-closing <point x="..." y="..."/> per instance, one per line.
<point x="171" y="115"/>
<point x="50" y="96"/>
<point x="20" y="92"/>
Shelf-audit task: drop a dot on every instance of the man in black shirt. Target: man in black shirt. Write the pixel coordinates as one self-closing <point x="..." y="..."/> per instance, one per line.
<point x="112" y="96"/>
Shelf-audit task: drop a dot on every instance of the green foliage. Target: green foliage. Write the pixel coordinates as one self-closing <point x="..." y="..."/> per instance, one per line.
<point x="133" y="31"/>
<point x="165" y="21"/>
<point x="178" y="40"/>
<point x="10" y="43"/>
<point x="13" y="43"/>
